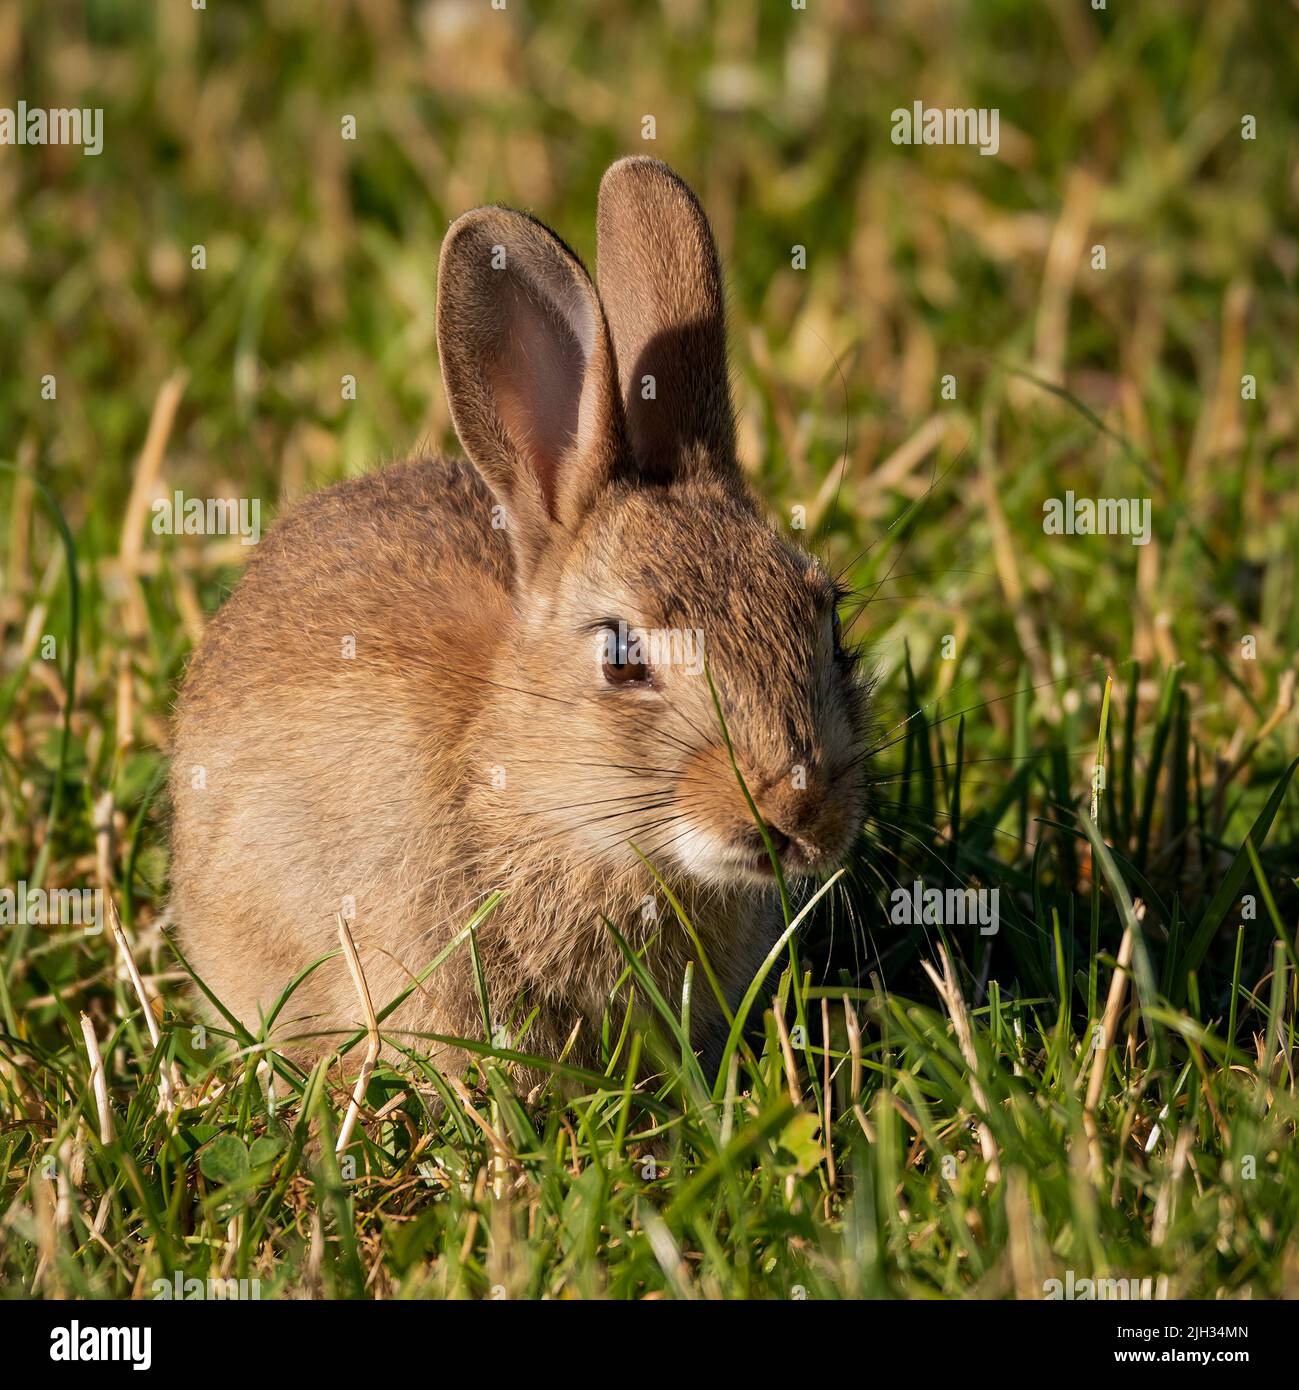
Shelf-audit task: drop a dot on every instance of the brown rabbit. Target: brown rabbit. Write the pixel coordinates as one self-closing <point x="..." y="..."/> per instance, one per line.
<point x="448" y="678"/>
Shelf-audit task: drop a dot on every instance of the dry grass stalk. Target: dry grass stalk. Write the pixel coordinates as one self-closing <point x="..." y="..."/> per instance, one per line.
<point x="148" y="467"/>
<point x="371" y="1028"/>
<point x="125" y="703"/>
<point x="499" y="1146"/>
<point x="827" y="1119"/>
<point x="166" y="1094"/>
<point x="854" y="1048"/>
<point x="1285" y="704"/>
<point x="43" y="1213"/>
<point x="1006" y="561"/>
<point x="1065" y="254"/>
<point x="1109" y="1026"/>
<point x="950" y="993"/>
<point x="1022" y="1245"/>
<point x="98" y="1081"/>
<point x="1218" y="430"/>
<point x="787" y="1050"/>
<point x="105" y="807"/>
<point x="892" y="471"/>
<point x="63" y="1186"/>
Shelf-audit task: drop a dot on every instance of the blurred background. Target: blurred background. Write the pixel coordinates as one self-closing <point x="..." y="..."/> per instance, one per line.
<point x="224" y="127"/>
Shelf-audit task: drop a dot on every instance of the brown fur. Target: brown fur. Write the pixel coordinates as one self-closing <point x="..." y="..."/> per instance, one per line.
<point x="472" y="743"/>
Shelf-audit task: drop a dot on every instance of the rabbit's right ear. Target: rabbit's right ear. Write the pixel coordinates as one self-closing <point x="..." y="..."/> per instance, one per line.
<point x="529" y="372"/>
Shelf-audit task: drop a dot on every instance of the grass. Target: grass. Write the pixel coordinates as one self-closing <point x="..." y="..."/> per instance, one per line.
<point x="921" y="1111"/>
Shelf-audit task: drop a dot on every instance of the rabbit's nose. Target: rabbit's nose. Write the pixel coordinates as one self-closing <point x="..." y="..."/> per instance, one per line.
<point x="791" y="812"/>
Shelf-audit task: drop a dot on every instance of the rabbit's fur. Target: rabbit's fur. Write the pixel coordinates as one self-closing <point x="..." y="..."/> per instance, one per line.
<point x="403" y="707"/>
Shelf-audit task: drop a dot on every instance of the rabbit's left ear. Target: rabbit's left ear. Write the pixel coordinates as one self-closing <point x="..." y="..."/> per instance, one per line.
<point x="661" y="284"/>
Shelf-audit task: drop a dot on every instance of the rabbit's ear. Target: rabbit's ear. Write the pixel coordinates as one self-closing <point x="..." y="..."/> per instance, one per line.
<point x="529" y="371"/>
<point x="661" y="284"/>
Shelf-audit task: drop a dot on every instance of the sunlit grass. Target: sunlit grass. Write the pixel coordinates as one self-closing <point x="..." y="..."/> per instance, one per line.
<point x="857" y="1142"/>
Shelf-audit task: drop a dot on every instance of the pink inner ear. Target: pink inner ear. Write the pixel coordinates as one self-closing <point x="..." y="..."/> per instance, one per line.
<point x="537" y="373"/>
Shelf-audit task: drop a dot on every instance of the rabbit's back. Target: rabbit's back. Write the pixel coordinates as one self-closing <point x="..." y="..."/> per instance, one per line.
<point x="366" y="571"/>
<point x="316" y="733"/>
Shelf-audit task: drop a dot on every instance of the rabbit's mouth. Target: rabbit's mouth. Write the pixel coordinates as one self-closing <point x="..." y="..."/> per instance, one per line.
<point x="746" y="857"/>
<point x="796" y="861"/>
<point x="795" y="857"/>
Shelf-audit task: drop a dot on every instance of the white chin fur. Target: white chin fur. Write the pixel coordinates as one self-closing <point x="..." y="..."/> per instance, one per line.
<point x="708" y="857"/>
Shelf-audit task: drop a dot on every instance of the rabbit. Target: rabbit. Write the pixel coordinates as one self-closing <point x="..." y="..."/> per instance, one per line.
<point x="450" y="679"/>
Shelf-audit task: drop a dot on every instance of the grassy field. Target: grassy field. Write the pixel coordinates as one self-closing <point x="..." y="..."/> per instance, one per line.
<point x="1103" y="1089"/>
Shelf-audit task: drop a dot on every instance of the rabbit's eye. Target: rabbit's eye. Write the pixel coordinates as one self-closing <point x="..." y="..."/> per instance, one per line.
<point x="622" y="664"/>
<point x="836" y="630"/>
